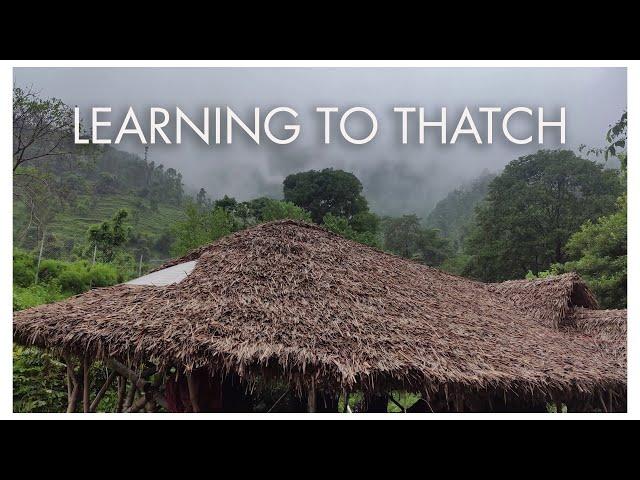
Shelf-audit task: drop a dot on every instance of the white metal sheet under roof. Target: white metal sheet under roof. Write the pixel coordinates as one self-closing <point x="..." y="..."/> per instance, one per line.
<point x="166" y="276"/>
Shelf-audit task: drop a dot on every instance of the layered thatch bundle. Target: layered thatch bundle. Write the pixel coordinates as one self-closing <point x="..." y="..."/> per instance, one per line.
<point x="608" y="327"/>
<point x="293" y="300"/>
<point x="551" y="300"/>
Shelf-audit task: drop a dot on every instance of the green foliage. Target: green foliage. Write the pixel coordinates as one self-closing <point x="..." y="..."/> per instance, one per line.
<point x="38" y="381"/>
<point x="34" y="295"/>
<point x="341" y="226"/>
<point x="38" y="376"/>
<point x="456" y="264"/>
<point x="454" y="214"/>
<point x="598" y="253"/>
<point x="24" y="268"/>
<point x="532" y="209"/>
<point x="405" y="236"/>
<point x="364" y="222"/>
<point x="598" y="250"/>
<point x="56" y="279"/>
<point x="617" y="142"/>
<point x="280" y="210"/>
<point x="201" y="227"/>
<point x="78" y="277"/>
<point x="107" y="183"/>
<point x="110" y="235"/>
<point x="326" y="191"/>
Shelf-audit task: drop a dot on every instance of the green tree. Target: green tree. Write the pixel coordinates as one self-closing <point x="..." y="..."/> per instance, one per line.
<point x="532" y="209"/>
<point x="110" y="235"/>
<point x="280" y="210"/>
<point x="326" y="191"/>
<point x="200" y="227"/>
<point x="406" y="237"/>
<point x="342" y="227"/>
<point x="598" y="251"/>
<point x="401" y="235"/>
<point x="42" y="128"/>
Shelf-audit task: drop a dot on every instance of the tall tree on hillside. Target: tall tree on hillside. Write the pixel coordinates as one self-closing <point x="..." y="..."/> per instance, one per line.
<point x="41" y="127"/>
<point x="200" y="226"/>
<point x="108" y="236"/>
<point x="532" y="209"/>
<point x="598" y="251"/>
<point x="42" y="130"/>
<point x="327" y="191"/>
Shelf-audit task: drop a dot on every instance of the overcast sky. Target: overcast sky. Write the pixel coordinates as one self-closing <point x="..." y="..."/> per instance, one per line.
<point x="397" y="178"/>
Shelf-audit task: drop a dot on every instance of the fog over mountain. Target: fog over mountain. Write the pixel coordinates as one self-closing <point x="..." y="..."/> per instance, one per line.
<point x="397" y="178"/>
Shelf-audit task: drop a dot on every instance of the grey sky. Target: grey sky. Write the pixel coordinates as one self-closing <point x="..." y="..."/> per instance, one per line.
<point x="397" y="178"/>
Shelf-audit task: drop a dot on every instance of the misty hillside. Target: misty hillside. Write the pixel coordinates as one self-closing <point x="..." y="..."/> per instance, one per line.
<point x="454" y="214"/>
<point x="91" y="187"/>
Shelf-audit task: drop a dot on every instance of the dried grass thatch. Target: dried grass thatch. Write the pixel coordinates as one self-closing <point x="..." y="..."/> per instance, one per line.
<point x="551" y="300"/>
<point x="296" y="300"/>
<point x="608" y="327"/>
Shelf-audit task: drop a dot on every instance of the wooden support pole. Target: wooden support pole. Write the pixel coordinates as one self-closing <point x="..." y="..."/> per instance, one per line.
<point x="127" y="373"/>
<point x="131" y="395"/>
<point x="75" y="390"/>
<point x="102" y="391"/>
<point x="122" y="388"/>
<point x="69" y="381"/>
<point x="311" y="397"/>
<point x="137" y="405"/>
<point x="193" y="393"/>
<point x="85" y="384"/>
<point x="397" y="404"/>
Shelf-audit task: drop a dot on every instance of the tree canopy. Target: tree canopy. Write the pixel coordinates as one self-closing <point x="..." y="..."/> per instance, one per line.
<point x="532" y="209"/>
<point x="598" y="251"/>
<point x="327" y="191"/>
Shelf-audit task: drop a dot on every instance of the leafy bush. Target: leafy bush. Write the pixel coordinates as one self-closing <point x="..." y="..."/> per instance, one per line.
<point x="75" y="278"/>
<point x="103" y="275"/>
<point x="280" y="210"/>
<point x="33" y="295"/>
<point x="38" y="381"/>
<point x="50" y="269"/>
<point x="24" y="268"/>
<point x="341" y="226"/>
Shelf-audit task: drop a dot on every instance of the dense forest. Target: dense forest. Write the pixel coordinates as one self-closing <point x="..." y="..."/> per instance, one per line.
<point x="87" y="217"/>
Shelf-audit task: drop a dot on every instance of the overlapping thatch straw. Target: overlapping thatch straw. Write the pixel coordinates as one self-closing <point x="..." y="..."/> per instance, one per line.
<point x="294" y="299"/>
<point x="550" y="300"/>
<point x="608" y="327"/>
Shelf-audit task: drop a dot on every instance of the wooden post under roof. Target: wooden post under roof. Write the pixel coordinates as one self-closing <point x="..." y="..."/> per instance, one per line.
<point x="311" y="397"/>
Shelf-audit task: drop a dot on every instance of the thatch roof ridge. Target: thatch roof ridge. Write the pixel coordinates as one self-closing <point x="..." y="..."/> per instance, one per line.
<point x="297" y="297"/>
<point x="197" y="252"/>
<point x="551" y="299"/>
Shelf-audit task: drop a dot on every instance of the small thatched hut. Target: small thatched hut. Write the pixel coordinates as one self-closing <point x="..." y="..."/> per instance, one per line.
<point x="292" y="302"/>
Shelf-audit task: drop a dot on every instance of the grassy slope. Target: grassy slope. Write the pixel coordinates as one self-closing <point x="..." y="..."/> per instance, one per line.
<point x="69" y="225"/>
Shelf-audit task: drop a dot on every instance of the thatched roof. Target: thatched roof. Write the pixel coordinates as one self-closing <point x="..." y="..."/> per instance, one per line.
<point x="293" y="298"/>
<point x="608" y="327"/>
<point x="550" y="300"/>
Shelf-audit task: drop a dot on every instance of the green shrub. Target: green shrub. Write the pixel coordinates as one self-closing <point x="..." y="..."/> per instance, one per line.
<point x="75" y="278"/>
<point x="50" y="269"/>
<point x="103" y="275"/>
<point x="24" y="268"/>
<point x="33" y="295"/>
